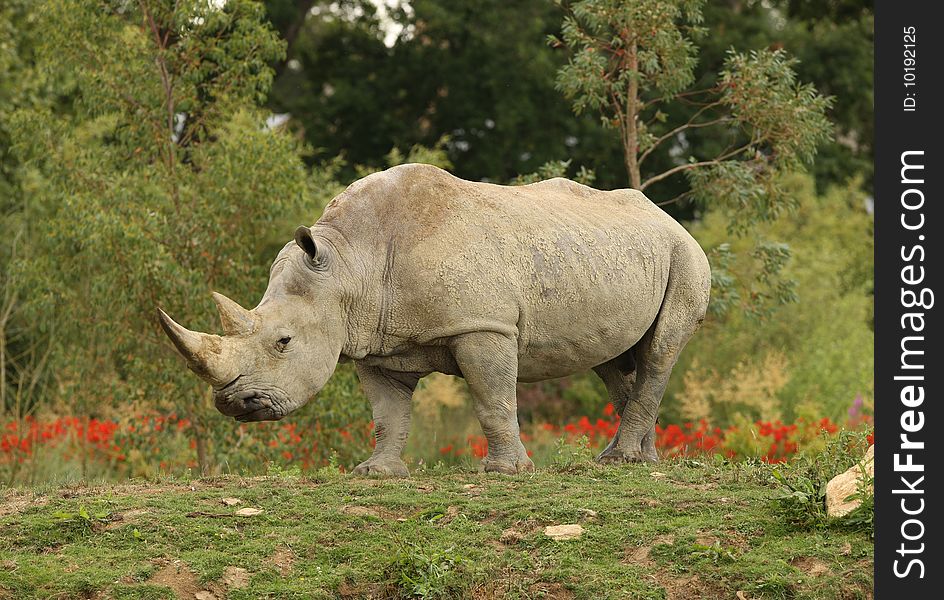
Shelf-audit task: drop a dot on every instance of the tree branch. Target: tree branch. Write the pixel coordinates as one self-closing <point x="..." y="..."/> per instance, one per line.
<point x="689" y="125"/>
<point x="694" y="165"/>
<point x="678" y="198"/>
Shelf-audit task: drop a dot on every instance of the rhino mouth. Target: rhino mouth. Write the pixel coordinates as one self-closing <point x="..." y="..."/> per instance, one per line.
<point x="249" y="405"/>
<point x="237" y="378"/>
<point x="263" y="414"/>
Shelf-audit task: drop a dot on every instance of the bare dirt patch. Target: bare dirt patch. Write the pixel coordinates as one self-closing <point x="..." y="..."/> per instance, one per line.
<point x="813" y="567"/>
<point x="235" y="578"/>
<point x="686" y="588"/>
<point x="351" y="591"/>
<point x="179" y="578"/>
<point x="663" y="540"/>
<point x="16" y="502"/>
<point x="638" y="555"/>
<point x="706" y="539"/>
<point x="282" y="560"/>
<point x="511" y="536"/>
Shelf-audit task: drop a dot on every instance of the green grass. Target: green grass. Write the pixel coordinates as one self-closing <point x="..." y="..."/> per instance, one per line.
<point x="699" y="531"/>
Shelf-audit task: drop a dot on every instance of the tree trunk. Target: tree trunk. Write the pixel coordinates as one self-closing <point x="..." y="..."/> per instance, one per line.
<point x="631" y="135"/>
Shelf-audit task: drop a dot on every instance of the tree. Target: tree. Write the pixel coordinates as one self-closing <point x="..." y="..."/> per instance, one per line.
<point x="146" y="185"/>
<point x="631" y="61"/>
<point x="476" y="71"/>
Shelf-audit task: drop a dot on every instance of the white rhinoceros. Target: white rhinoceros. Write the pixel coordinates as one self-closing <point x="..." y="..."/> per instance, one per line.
<point x="412" y="271"/>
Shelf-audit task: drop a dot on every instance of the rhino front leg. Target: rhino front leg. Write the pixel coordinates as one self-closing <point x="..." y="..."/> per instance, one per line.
<point x="390" y="394"/>
<point x="489" y="363"/>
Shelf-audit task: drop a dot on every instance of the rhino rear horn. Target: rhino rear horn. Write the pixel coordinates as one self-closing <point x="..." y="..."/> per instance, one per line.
<point x="235" y="319"/>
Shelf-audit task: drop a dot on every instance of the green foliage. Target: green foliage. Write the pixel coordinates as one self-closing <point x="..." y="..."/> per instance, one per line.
<point x="632" y="61"/>
<point x="434" y="155"/>
<point x="802" y="499"/>
<point x="145" y="188"/>
<point x="616" y="44"/>
<point x="81" y="517"/>
<point x="825" y="335"/>
<point x="137" y="168"/>
<point x="477" y="71"/>
<point x="556" y="168"/>
<point x="424" y="573"/>
<point x="568" y="456"/>
<point x="801" y="492"/>
<point x="714" y="552"/>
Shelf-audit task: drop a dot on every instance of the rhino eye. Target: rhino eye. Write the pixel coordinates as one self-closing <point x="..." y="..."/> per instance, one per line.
<point x="282" y="343"/>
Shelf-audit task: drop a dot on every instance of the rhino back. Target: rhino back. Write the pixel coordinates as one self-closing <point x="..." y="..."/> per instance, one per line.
<point x="577" y="274"/>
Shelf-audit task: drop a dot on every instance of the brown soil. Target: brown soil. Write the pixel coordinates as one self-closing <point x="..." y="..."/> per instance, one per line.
<point x="813" y="567"/>
<point x="179" y="578"/>
<point x="282" y="560"/>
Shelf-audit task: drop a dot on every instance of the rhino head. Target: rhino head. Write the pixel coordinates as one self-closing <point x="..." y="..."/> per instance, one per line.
<point x="274" y="358"/>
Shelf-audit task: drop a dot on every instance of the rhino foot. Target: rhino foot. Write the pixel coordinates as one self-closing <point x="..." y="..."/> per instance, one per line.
<point x="382" y="467"/>
<point x="616" y="455"/>
<point x="521" y="465"/>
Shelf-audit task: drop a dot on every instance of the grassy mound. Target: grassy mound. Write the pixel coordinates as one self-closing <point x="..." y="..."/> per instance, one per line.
<point x="681" y="529"/>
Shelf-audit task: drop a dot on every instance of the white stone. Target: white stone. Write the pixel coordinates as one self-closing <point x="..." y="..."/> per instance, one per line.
<point x="563" y="532"/>
<point x="845" y="484"/>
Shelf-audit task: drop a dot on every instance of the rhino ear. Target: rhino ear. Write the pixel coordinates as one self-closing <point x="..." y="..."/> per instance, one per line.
<point x="306" y="242"/>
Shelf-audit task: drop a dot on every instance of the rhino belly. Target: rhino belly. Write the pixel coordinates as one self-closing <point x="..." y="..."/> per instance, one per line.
<point x="560" y="339"/>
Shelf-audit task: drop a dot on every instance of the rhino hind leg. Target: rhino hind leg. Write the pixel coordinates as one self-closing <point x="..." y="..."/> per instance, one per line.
<point x="640" y="392"/>
<point x="489" y="363"/>
<point x="390" y="394"/>
<point x="619" y="376"/>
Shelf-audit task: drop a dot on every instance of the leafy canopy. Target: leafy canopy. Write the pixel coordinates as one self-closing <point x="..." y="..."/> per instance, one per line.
<point x="632" y="62"/>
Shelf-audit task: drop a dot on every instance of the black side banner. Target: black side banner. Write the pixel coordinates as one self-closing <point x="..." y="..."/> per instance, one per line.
<point x="909" y="171"/>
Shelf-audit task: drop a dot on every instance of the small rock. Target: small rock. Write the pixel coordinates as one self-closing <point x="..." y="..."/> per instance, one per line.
<point x="592" y="514"/>
<point x="205" y="595"/>
<point x="845" y="484"/>
<point x="248" y="512"/>
<point x="230" y="501"/>
<point x="563" y="532"/>
<point x="657" y="474"/>
<point x="235" y="578"/>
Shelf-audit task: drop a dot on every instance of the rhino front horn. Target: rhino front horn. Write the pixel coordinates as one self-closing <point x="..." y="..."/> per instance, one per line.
<point x="235" y="319"/>
<point x="188" y="343"/>
<point x="204" y="353"/>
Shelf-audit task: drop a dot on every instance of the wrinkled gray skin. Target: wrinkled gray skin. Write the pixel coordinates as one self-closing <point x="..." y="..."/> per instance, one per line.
<point x="412" y="271"/>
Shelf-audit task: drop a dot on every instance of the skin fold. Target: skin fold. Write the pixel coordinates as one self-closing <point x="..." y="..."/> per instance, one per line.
<point x="412" y="271"/>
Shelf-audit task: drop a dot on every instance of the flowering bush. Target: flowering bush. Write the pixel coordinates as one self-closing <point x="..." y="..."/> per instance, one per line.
<point x="146" y="445"/>
<point x="769" y="441"/>
<point x="149" y="444"/>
